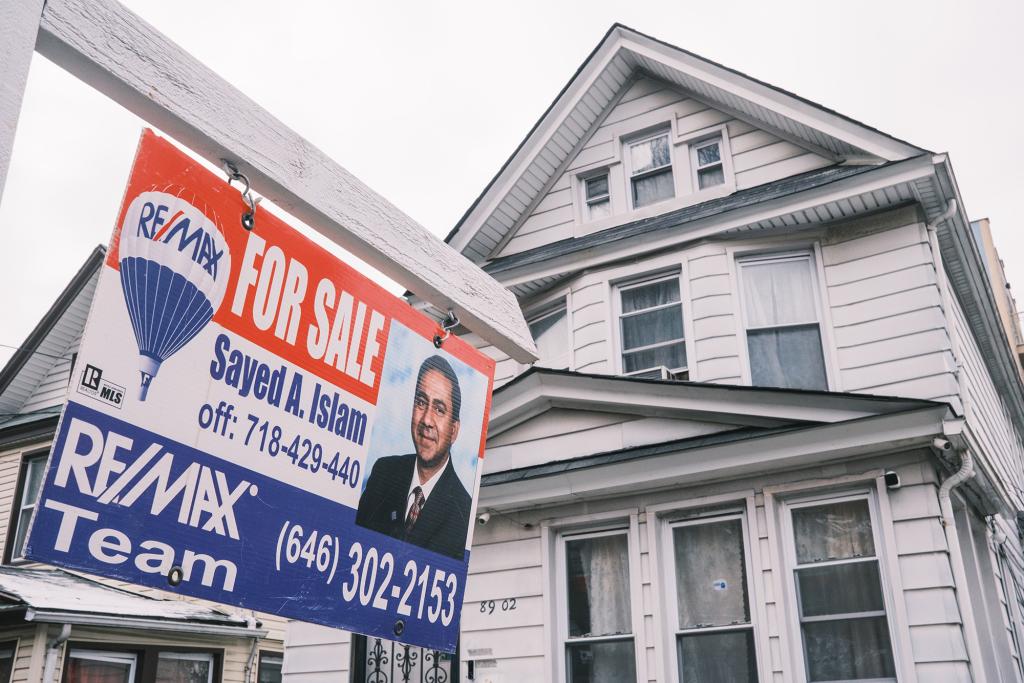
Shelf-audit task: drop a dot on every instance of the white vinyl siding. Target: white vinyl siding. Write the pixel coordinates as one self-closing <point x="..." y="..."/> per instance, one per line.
<point x="757" y="157"/>
<point x="888" y="324"/>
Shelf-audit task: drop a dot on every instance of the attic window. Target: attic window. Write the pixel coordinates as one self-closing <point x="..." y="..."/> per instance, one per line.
<point x="707" y="162"/>
<point x="597" y="198"/>
<point x="650" y="161"/>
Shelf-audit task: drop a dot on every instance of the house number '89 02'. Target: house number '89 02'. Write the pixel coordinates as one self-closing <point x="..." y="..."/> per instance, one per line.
<point x="506" y="605"/>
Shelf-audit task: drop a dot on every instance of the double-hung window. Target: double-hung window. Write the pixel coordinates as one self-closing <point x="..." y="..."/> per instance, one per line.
<point x="839" y="592"/>
<point x="780" y="306"/>
<point x="712" y="601"/>
<point x="650" y="168"/>
<point x="596" y="629"/>
<point x="597" y="196"/>
<point x="550" y="332"/>
<point x="651" y="325"/>
<point x="706" y="158"/>
<point x="32" y="470"/>
<point x="84" y="666"/>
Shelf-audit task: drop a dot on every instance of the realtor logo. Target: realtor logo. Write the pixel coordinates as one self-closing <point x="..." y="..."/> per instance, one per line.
<point x="94" y="385"/>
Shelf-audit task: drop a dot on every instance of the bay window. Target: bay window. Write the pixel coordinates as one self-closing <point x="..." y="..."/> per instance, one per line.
<point x="650" y="169"/>
<point x="596" y="610"/>
<point x="839" y="592"/>
<point x="651" y="325"/>
<point x="550" y="332"/>
<point x="780" y="312"/>
<point x="712" y="600"/>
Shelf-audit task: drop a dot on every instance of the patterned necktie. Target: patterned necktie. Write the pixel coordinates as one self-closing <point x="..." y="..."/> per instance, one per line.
<point x="414" y="511"/>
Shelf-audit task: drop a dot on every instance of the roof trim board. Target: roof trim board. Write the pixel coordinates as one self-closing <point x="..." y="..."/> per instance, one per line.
<point x="680" y="464"/>
<point x="538" y="390"/>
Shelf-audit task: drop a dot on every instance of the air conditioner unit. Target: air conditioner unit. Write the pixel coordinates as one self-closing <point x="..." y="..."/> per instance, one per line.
<point x="660" y="372"/>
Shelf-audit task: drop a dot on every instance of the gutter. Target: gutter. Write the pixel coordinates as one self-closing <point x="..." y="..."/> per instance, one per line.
<point x="121" y="621"/>
<point x="956" y="560"/>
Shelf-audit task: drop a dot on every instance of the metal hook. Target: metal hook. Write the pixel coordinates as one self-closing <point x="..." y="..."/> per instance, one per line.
<point x="249" y="217"/>
<point x="450" y="322"/>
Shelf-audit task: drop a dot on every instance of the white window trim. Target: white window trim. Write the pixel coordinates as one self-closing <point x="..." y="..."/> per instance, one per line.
<point x="553" y="565"/>
<point x="671" y="594"/>
<point x="663" y="583"/>
<point x="696" y="139"/>
<point x="668" y="131"/>
<point x="16" y="555"/>
<point x="190" y="657"/>
<point x="764" y="252"/>
<point x="108" y="656"/>
<point x="616" y="301"/>
<point x="788" y="572"/>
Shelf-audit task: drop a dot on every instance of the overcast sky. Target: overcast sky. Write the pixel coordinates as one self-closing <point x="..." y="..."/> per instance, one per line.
<point x="424" y="101"/>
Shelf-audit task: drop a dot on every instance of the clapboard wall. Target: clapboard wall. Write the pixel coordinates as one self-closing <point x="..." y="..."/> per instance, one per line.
<point x="510" y="560"/>
<point x="757" y="157"/>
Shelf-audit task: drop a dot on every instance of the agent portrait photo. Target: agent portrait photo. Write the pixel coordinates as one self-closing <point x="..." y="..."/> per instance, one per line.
<point x="419" y="497"/>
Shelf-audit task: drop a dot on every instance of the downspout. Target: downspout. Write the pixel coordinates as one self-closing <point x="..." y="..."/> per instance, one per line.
<point x="932" y="228"/>
<point x="252" y="651"/>
<point x="52" y="649"/>
<point x="956" y="561"/>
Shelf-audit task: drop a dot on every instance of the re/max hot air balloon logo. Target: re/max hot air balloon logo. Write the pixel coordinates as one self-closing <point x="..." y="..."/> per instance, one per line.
<point x="175" y="266"/>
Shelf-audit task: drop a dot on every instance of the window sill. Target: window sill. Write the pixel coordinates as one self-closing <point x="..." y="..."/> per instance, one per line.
<point x="589" y="227"/>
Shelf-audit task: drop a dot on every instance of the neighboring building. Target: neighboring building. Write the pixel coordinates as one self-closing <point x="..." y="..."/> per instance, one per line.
<point x="1007" y="305"/>
<point x="116" y="632"/>
<point x="775" y="431"/>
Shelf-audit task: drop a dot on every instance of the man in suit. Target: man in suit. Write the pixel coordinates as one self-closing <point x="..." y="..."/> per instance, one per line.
<point x="418" y="497"/>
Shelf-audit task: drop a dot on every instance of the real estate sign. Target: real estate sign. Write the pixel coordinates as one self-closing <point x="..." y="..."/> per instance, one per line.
<point x="253" y="422"/>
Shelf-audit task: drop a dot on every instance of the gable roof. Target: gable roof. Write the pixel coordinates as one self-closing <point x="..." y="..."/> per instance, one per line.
<point x="621" y="56"/>
<point x="50" y="340"/>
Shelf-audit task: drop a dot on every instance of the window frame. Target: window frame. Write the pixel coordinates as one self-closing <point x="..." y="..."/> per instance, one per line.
<point x="823" y="321"/>
<point x="640" y="281"/>
<point x="553" y="306"/>
<point x="12" y="645"/>
<point x="587" y="202"/>
<point x="694" y="517"/>
<point x="269" y="654"/>
<point x="146" y="657"/>
<point x="639" y="138"/>
<point x="554" y="541"/>
<point x="17" y="507"/>
<point x="696" y="167"/>
<point x="790" y="567"/>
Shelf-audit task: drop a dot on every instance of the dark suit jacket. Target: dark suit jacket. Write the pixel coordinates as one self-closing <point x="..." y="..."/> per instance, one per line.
<point x="443" y="521"/>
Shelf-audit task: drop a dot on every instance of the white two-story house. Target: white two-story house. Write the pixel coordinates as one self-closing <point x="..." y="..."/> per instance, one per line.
<point x="775" y="431"/>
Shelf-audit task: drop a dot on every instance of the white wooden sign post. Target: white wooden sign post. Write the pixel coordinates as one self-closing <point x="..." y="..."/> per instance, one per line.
<point x="116" y="52"/>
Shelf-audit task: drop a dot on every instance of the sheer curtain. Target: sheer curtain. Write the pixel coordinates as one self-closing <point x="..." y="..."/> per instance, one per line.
<point x="599" y="599"/>
<point x="783" y="336"/>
